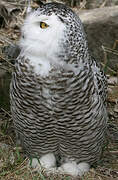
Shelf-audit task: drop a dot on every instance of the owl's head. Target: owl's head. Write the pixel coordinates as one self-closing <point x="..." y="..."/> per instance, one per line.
<point x="53" y="30"/>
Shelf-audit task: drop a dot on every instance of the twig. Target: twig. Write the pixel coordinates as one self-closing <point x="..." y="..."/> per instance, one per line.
<point x="5" y="39"/>
<point x="19" y="167"/>
<point x="82" y="4"/>
<point x="16" y="4"/>
<point x="106" y="49"/>
<point x="115" y="44"/>
<point x="111" y="70"/>
<point x="114" y="152"/>
<point x="6" y="112"/>
<point x="4" y="68"/>
<point x="103" y="4"/>
<point x="7" y="61"/>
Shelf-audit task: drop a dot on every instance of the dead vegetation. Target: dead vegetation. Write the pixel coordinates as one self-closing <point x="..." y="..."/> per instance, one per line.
<point x="13" y="163"/>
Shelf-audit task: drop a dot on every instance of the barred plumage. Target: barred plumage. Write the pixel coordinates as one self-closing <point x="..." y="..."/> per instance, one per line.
<point x="58" y="92"/>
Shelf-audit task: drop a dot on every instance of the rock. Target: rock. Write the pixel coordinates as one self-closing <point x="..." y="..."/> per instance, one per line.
<point x="91" y="4"/>
<point x="101" y="26"/>
<point x="87" y="4"/>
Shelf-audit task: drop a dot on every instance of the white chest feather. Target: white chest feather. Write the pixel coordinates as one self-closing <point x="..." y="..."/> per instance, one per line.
<point x="41" y="66"/>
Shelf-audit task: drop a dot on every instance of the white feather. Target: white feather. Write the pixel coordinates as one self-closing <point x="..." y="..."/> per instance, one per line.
<point x="48" y="161"/>
<point x="74" y="169"/>
<point x="41" y="46"/>
<point x="83" y="168"/>
<point x="69" y="168"/>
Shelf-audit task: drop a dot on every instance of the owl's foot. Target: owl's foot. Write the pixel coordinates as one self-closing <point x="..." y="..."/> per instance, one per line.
<point x="83" y="167"/>
<point x="48" y="162"/>
<point x="74" y="169"/>
<point x="69" y="168"/>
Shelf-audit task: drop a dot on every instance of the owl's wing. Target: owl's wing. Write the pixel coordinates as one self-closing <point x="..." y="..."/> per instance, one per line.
<point x="100" y="79"/>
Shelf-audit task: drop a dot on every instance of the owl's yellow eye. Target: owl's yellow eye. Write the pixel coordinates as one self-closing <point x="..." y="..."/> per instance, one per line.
<point x="43" y="25"/>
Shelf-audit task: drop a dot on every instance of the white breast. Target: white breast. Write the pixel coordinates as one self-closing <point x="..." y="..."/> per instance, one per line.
<point x="41" y="66"/>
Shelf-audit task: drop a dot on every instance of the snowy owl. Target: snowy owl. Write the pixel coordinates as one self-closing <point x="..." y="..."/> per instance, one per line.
<point x="58" y="92"/>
